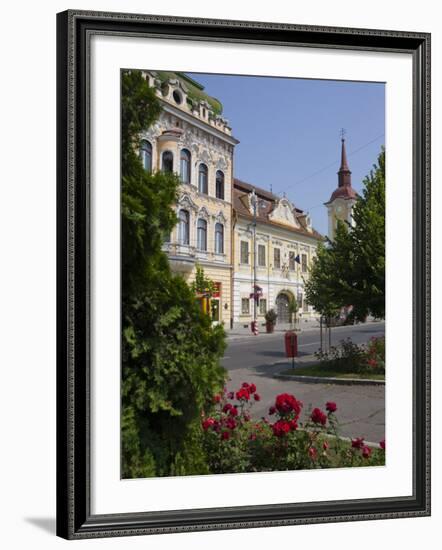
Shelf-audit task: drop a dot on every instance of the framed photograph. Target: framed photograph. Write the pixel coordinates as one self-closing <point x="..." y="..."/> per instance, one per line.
<point x="243" y="274"/>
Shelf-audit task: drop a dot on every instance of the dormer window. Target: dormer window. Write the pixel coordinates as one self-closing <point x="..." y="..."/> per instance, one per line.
<point x="177" y="97"/>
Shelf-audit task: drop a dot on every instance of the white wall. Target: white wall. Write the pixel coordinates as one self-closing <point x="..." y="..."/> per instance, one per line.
<point x="28" y="272"/>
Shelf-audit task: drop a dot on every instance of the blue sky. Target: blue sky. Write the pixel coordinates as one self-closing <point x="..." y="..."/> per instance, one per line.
<point x="289" y="132"/>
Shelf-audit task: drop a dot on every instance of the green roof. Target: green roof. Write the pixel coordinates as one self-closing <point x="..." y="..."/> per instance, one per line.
<point x="195" y="90"/>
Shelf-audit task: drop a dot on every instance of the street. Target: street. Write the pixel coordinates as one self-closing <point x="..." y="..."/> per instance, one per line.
<point x="361" y="409"/>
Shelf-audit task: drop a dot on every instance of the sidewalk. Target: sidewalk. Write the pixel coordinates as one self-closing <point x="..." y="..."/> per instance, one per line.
<point x="303" y="325"/>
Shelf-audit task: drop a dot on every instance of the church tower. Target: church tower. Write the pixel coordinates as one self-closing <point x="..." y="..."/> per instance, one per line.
<point x="341" y="203"/>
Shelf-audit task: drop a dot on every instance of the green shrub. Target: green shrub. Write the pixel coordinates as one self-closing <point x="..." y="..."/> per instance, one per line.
<point x="348" y="357"/>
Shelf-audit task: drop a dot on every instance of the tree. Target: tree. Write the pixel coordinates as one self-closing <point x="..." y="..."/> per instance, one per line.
<point x="170" y="351"/>
<point x="351" y="269"/>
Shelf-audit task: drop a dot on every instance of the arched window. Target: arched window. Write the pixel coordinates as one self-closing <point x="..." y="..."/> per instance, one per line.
<point x="202" y="234"/>
<point x="219" y="238"/>
<point x="183" y="227"/>
<point x="146" y="155"/>
<point x="185" y="166"/>
<point x="203" y="185"/>
<point x="167" y="161"/>
<point x="219" y="185"/>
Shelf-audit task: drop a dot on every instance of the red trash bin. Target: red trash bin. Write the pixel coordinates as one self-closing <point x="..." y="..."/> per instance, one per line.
<point x="291" y="344"/>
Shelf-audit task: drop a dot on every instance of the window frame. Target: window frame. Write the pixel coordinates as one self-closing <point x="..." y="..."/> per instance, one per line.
<point x="246" y="243"/>
<point x="163" y="155"/>
<point x="219" y="225"/>
<point x="186" y="224"/>
<point x="185" y="156"/>
<point x="222" y="180"/>
<point x="198" y="233"/>
<point x="206" y="182"/>
<point x="262" y="249"/>
<point x="150" y="152"/>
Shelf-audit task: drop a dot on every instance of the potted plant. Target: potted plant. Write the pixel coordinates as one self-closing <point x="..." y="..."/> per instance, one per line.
<point x="270" y="318"/>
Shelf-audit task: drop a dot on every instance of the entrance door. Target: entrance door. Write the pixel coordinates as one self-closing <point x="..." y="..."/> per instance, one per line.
<point x="282" y="305"/>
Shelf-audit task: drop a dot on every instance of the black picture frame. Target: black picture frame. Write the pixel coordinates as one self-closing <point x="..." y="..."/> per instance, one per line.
<point x="74" y="518"/>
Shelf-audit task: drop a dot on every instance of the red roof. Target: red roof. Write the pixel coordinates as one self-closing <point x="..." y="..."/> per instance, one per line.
<point x="345" y="192"/>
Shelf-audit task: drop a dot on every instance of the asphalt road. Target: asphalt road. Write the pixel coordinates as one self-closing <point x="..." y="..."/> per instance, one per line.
<point x="361" y="409"/>
<point x="252" y="351"/>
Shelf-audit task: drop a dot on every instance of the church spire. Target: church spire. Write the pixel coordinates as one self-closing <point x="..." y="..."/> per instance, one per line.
<point x="344" y="174"/>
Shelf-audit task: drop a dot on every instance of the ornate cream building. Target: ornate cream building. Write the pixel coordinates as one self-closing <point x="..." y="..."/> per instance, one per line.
<point x="341" y="203"/>
<point x="285" y="246"/>
<point x="193" y="139"/>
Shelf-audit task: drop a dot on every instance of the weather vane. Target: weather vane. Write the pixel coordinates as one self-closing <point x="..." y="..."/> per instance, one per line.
<point x="342" y="133"/>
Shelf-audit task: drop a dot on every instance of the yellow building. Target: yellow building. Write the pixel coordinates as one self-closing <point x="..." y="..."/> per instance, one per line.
<point x="284" y="244"/>
<point x="193" y="139"/>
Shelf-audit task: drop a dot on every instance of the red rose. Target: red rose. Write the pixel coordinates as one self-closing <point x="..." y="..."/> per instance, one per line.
<point x="217" y="399"/>
<point x="318" y="417"/>
<point x="243" y="393"/>
<point x="366" y="451"/>
<point x="286" y="403"/>
<point x="225" y="435"/>
<point x="233" y="411"/>
<point x="382" y="444"/>
<point x="227" y="407"/>
<point x="312" y="453"/>
<point x="272" y="410"/>
<point x="293" y="425"/>
<point x="208" y="423"/>
<point x="357" y="443"/>
<point x="230" y="423"/>
<point x="245" y="385"/>
<point x="331" y="406"/>
<point x="257" y="397"/>
<point x="281" y="428"/>
<point x="231" y="395"/>
<point x="252" y="388"/>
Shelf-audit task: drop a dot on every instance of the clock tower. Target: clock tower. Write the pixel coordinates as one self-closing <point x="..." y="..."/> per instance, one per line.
<point x="341" y="203"/>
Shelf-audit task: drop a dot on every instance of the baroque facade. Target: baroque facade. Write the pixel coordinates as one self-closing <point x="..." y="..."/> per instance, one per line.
<point x="194" y="140"/>
<point x="284" y="243"/>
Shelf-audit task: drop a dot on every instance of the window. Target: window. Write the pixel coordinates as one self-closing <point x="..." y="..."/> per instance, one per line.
<point x="262" y="306"/>
<point x="277" y="258"/>
<point x="203" y="186"/>
<point x="219" y="185"/>
<point x="219" y="238"/>
<point x="185" y="166"/>
<point x="167" y="162"/>
<point x="146" y="155"/>
<point x="245" y="306"/>
<point x="177" y="97"/>
<point x="244" y="252"/>
<point x="292" y="261"/>
<point x="202" y="234"/>
<point x="183" y="227"/>
<point x="261" y="255"/>
<point x="304" y="263"/>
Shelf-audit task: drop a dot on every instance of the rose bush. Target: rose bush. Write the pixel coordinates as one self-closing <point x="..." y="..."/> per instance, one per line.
<point x="234" y="442"/>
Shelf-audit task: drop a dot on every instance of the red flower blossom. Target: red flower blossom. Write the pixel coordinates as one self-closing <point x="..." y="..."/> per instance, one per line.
<point x="216" y="398"/>
<point x="233" y="411"/>
<point x="281" y="428"/>
<point x="225" y="435"/>
<point x="312" y="453"/>
<point x="331" y="406"/>
<point x="243" y="393"/>
<point x="372" y="362"/>
<point x="325" y="445"/>
<point x="293" y="425"/>
<point x="231" y="423"/>
<point x="382" y="444"/>
<point x="257" y="397"/>
<point x="286" y="403"/>
<point x="357" y="443"/>
<point x="272" y="410"/>
<point x="231" y="395"/>
<point x="318" y="417"/>
<point x="245" y="385"/>
<point x="227" y="407"/>
<point x="252" y="388"/>
<point x="208" y="423"/>
<point x="366" y="451"/>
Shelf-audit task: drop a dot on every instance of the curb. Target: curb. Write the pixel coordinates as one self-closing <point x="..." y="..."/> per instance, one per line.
<point x="323" y="380"/>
